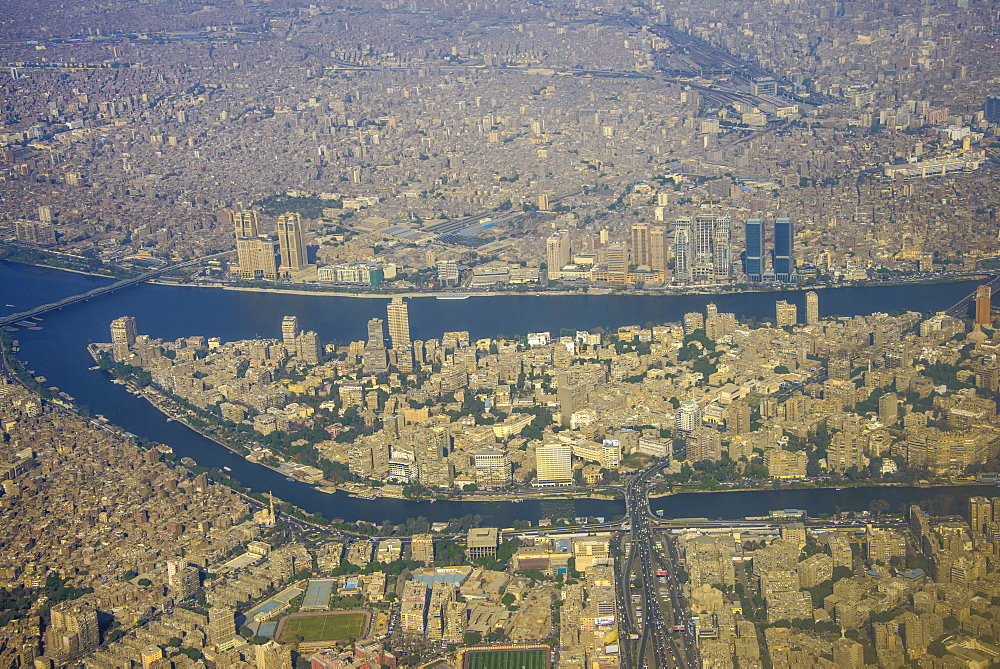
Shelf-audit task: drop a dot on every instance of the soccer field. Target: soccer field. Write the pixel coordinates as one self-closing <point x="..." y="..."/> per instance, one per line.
<point x="508" y="659"/>
<point x="323" y="627"/>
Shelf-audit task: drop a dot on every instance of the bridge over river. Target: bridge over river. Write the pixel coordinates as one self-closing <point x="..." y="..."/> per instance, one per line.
<point x="14" y="319"/>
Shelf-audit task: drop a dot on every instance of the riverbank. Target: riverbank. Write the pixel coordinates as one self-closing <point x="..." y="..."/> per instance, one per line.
<point x="806" y="485"/>
<point x="725" y="289"/>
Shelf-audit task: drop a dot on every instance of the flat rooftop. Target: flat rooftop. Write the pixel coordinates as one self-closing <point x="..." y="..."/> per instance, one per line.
<point x="482" y="537"/>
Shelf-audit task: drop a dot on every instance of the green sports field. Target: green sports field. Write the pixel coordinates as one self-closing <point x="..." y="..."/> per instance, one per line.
<point x="507" y="659"/>
<point x="323" y="627"/>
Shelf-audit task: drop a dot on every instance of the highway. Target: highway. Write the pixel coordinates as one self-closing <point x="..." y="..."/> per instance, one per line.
<point x="654" y="646"/>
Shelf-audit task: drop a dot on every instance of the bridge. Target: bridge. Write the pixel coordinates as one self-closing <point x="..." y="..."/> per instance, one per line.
<point x="961" y="308"/>
<point x="96" y="292"/>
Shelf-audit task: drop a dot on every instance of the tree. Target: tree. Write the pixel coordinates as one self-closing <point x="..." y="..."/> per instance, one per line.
<point x="840" y="572"/>
<point x="937" y="648"/>
<point x="472" y="638"/>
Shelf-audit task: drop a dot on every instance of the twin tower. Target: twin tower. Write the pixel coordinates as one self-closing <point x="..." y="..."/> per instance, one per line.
<point x="783" y="260"/>
<point x="256" y="253"/>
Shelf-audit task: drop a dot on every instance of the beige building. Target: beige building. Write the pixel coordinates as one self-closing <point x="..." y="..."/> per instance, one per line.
<point x="785" y="313"/>
<point x="291" y="243"/>
<point x="554" y="464"/>
<point x="422" y="548"/>
<point x="256" y="258"/>
<point x="482" y="542"/>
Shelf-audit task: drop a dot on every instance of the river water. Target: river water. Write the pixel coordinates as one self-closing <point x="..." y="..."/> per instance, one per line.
<point x="58" y="352"/>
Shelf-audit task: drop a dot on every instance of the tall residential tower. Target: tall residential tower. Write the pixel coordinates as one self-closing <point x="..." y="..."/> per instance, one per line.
<point x="399" y="334"/>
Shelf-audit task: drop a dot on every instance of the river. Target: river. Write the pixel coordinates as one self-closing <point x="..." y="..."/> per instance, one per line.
<point x="58" y="352"/>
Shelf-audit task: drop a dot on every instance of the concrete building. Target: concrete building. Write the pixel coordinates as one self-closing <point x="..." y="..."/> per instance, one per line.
<point x="554" y="464"/>
<point x="256" y="258"/>
<point x="375" y="360"/>
<point x="493" y="468"/>
<point x="447" y="273"/>
<point x="422" y="548"/>
<point x="398" y="318"/>
<point x="123" y="335"/>
<point x="291" y="243"/>
<point x="72" y="631"/>
<point x="273" y="655"/>
<point x="557" y="253"/>
<point x="482" y="542"/>
<point x="785" y="313"/>
<point x="812" y="308"/>
<point x="682" y="250"/>
<point x="289" y="330"/>
<point x="40" y="233"/>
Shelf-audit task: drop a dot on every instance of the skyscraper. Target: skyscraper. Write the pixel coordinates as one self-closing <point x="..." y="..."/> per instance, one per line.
<point x="641" y="251"/>
<point x="557" y="252"/>
<point x="616" y="258"/>
<point x="722" y="260"/>
<point x="123" y="330"/>
<point x="291" y="243"/>
<point x="980" y="513"/>
<point x="289" y="330"/>
<point x="374" y="359"/>
<point x="658" y="248"/>
<point x="123" y="335"/>
<point x="399" y="334"/>
<point x="754" y="267"/>
<point x="682" y="249"/>
<point x="307" y="348"/>
<point x="785" y="314"/>
<point x="399" y="323"/>
<point x="649" y="246"/>
<point x="812" y="308"/>
<point x="255" y="253"/>
<point x="492" y="468"/>
<point x="983" y="305"/>
<point x="554" y="464"/>
<point x="992" y="108"/>
<point x="784" y="259"/>
<point x="702" y="265"/>
<point x="572" y="397"/>
<point x="710" y="257"/>
<point x="221" y="624"/>
<point x="244" y="223"/>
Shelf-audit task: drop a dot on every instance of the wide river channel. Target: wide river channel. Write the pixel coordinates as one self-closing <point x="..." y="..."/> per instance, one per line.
<point x="58" y="352"/>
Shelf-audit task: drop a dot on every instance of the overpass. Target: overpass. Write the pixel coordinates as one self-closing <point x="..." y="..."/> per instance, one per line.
<point x="96" y="292"/>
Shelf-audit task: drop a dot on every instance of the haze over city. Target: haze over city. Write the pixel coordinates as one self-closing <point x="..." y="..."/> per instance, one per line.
<point x="601" y="159"/>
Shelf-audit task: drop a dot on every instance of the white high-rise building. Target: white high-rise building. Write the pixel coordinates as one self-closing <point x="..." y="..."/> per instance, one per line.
<point x="557" y="253"/>
<point x="554" y="464"/>
<point x="688" y="418"/>
<point x="289" y="330"/>
<point x="682" y="250"/>
<point x="493" y="468"/>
